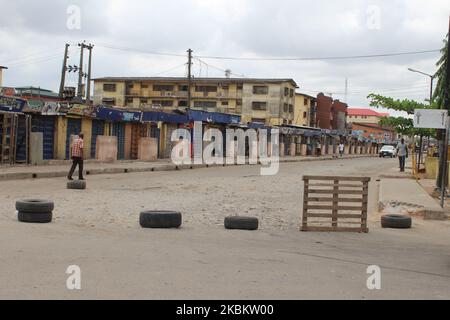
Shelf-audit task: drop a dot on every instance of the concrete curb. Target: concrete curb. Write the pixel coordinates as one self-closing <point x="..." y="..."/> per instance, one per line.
<point x="411" y="209"/>
<point x="155" y="167"/>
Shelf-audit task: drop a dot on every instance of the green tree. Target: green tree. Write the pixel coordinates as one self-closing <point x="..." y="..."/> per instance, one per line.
<point x="439" y="93"/>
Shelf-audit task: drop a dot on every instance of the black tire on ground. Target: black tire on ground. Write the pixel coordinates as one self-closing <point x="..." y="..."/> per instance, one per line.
<point x="34" y="206"/>
<point x="37" y="217"/>
<point x="396" y="221"/>
<point x="76" y="184"/>
<point x="160" y="219"/>
<point x="241" y="223"/>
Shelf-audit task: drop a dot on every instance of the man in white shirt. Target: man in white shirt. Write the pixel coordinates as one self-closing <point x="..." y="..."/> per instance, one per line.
<point x="402" y="152"/>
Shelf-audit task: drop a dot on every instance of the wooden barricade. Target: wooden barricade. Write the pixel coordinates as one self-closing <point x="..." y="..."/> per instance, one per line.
<point x="330" y="204"/>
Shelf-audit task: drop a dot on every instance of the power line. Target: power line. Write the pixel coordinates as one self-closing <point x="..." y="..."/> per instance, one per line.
<point x="323" y="58"/>
<point x="38" y="54"/>
<point x="218" y="68"/>
<point x="171" y="69"/>
<point x="141" y="51"/>
<point x="34" y="61"/>
<point x="368" y="56"/>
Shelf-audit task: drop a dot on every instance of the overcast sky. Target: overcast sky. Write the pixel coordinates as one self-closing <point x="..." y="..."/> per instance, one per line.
<point x="33" y="34"/>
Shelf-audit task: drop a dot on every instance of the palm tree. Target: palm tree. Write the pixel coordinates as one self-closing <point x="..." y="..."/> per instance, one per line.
<point x="439" y="93"/>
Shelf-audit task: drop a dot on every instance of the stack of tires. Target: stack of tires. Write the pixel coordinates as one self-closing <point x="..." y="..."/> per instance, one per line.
<point x="35" y="211"/>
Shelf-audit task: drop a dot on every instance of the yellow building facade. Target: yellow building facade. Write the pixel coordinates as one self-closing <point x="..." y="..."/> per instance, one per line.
<point x="304" y="110"/>
<point x="270" y="101"/>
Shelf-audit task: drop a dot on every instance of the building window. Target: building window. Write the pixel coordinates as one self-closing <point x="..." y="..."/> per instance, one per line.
<point x="305" y="115"/>
<point x="291" y="93"/>
<point x="182" y="103"/>
<point x="162" y="87"/>
<point x="129" y="100"/>
<point x="130" y="86"/>
<point x="260" y="90"/>
<point x="305" y="102"/>
<point x="239" y="102"/>
<point x="205" y="89"/>
<point x="144" y="86"/>
<point x="163" y="103"/>
<point x="256" y="105"/>
<point x="144" y="101"/>
<point x="225" y="103"/>
<point x="205" y="104"/>
<point x="285" y="107"/>
<point x="240" y="86"/>
<point x="109" y="101"/>
<point x="291" y="108"/>
<point x="183" y="88"/>
<point x="258" y="120"/>
<point x="286" y="92"/>
<point x="109" y="87"/>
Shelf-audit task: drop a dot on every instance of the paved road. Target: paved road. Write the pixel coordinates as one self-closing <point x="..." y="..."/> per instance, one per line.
<point x="98" y="231"/>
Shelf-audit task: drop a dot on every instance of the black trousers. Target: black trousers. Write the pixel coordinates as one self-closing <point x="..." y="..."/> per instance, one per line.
<point x="77" y="161"/>
<point x="402" y="163"/>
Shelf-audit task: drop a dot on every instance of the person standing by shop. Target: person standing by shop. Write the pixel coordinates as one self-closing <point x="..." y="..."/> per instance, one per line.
<point x="77" y="157"/>
<point x="402" y="152"/>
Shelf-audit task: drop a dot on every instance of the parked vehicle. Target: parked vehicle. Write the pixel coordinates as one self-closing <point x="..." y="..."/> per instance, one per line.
<point x="388" y="151"/>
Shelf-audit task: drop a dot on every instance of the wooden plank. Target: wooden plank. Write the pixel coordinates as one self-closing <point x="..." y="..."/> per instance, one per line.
<point x="324" y="178"/>
<point x="342" y="216"/>
<point x="333" y="207"/>
<point x="344" y="200"/>
<point x="347" y="192"/>
<point x="332" y="185"/>
<point x="338" y="229"/>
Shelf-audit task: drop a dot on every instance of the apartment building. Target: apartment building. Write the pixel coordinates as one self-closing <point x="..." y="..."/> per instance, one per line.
<point x="305" y="110"/>
<point x="270" y="101"/>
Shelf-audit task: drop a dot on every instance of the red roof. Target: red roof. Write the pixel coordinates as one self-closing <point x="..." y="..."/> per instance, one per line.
<point x="364" y="112"/>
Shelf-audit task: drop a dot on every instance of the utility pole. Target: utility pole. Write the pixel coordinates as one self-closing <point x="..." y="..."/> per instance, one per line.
<point x="80" y="72"/>
<point x="63" y="72"/>
<point x="346" y="89"/>
<point x="189" y="77"/>
<point x="88" y="86"/>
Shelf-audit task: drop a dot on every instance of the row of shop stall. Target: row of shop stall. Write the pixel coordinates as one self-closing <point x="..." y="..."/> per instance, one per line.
<point x="59" y="122"/>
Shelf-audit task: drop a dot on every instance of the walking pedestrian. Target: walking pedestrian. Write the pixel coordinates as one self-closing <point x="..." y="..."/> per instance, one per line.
<point x="341" y="149"/>
<point x="402" y="152"/>
<point x="77" y="157"/>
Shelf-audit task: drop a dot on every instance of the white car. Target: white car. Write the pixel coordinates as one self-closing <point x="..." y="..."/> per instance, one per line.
<point x="388" y="151"/>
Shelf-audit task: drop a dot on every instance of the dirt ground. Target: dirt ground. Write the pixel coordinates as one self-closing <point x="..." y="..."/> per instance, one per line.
<point x="98" y="230"/>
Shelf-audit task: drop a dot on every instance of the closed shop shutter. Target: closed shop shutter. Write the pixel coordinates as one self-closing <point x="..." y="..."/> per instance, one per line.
<point x="21" y="139"/>
<point x="119" y="132"/>
<point x="98" y="129"/>
<point x="46" y="125"/>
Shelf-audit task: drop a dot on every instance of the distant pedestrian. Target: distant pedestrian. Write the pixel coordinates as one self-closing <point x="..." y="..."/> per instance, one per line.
<point x="341" y="149"/>
<point x="77" y="157"/>
<point x="402" y="152"/>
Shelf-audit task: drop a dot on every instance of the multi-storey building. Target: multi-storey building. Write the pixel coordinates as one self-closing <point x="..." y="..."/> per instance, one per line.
<point x="270" y="101"/>
<point x="305" y="110"/>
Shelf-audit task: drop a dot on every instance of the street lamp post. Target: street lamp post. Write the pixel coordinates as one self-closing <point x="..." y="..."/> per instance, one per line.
<point x="431" y="99"/>
<point x="428" y="75"/>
